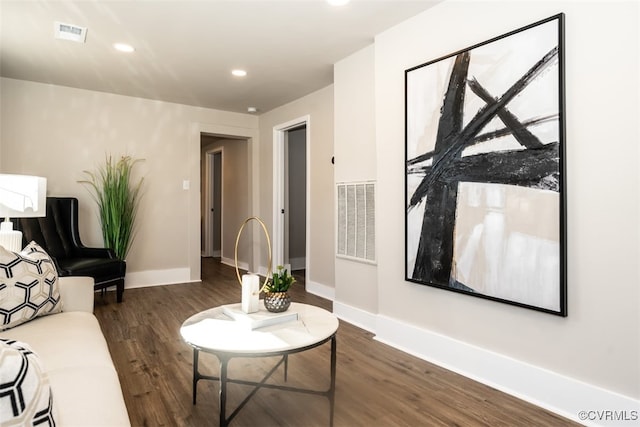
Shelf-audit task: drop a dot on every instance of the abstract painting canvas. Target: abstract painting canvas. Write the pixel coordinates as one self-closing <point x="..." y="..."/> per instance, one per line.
<point x="485" y="197"/>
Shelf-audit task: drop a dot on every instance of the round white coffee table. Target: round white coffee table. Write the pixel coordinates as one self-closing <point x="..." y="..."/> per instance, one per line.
<point x="227" y="333"/>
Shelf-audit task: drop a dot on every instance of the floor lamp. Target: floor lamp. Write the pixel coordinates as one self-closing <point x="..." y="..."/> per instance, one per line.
<point x="20" y="196"/>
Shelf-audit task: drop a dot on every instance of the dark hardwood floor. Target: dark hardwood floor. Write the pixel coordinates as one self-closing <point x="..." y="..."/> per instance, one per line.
<point x="376" y="385"/>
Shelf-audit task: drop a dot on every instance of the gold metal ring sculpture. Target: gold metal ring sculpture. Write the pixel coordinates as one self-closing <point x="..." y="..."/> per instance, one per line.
<point x="266" y="233"/>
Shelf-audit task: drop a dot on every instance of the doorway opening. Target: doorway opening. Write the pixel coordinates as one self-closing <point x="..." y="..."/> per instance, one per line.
<point x="291" y="196"/>
<point x="225" y="197"/>
<point x="212" y="235"/>
<point x="295" y="195"/>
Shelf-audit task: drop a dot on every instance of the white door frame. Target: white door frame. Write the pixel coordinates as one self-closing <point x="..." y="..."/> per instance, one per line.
<point x="279" y="134"/>
<point x="208" y="201"/>
<point x="194" y="196"/>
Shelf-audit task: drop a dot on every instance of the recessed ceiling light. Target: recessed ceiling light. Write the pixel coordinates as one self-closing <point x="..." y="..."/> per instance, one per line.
<point x="239" y="73"/>
<point x="123" y="47"/>
<point x="252" y="110"/>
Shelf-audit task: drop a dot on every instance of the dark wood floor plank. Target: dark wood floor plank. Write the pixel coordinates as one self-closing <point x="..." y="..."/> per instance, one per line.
<point x="376" y="384"/>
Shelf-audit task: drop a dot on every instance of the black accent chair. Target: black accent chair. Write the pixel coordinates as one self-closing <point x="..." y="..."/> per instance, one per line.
<point x="59" y="235"/>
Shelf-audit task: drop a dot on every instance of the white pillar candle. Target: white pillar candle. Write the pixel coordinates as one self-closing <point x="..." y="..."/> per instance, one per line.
<point x="250" y="293"/>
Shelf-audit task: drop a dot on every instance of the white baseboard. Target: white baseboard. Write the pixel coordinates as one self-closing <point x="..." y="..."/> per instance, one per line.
<point x="576" y="400"/>
<point x="231" y="263"/>
<point x="297" y="263"/>
<point x="142" y="279"/>
<point x="361" y="318"/>
<point x="320" y="290"/>
<point x="262" y="271"/>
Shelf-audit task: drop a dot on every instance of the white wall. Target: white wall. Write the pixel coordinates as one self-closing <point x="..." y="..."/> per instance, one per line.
<point x="589" y="360"/>
<point x="355" y="148"/>
<point x="318" y="106"/>
<point x="58" y="132"/>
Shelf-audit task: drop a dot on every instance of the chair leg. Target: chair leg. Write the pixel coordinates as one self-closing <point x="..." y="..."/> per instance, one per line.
<point x="119" y="290"/>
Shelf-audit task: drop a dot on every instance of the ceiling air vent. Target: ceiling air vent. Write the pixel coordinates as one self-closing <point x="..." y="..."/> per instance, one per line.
<point x="70" y="32"/>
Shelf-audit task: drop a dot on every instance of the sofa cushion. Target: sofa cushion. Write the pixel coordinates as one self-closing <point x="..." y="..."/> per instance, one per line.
<point x="25" y="393"/>
<point x="28" y="286"/>
<point x="89" y="397"/>
<point x="84" y="381"/>
<point x="66" y="340"/>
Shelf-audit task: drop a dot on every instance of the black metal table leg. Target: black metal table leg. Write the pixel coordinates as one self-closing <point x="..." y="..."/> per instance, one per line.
<point x="223" y="378"/>
<point x="196" y="375"/>
<point x="286" y="366"/>
<point x="332" y="388"/>
<point x="224" y="362"/>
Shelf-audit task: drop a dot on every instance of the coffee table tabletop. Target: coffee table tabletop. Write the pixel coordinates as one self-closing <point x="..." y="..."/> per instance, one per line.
<point x="211" y="330"/>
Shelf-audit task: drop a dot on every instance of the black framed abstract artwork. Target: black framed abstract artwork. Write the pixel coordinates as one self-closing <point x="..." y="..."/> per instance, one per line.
<point x="485" y="163"/>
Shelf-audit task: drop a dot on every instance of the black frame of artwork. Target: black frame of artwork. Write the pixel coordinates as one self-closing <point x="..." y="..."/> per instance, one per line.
<point x="485" y="191"/>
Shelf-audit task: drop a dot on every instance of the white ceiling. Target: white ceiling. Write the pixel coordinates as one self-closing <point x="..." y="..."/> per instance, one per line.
<point x="185" y="50"/>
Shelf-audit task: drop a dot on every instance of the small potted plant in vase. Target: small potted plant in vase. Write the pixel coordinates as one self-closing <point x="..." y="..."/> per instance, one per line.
<point x="276" y="295"/>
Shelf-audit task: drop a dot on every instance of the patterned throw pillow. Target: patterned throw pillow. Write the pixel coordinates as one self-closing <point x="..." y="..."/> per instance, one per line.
<point x="28" y="286"/>
<point x="25" y="393"/>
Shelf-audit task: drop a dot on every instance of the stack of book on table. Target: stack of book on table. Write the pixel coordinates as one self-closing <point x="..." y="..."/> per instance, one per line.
<point x="258" y="319"/>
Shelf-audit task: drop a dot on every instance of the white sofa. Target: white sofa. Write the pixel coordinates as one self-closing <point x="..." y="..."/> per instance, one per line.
<point x="73" y="351"/>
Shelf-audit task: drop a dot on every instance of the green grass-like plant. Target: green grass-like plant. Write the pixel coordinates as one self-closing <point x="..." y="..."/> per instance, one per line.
<point x="117" y="200"/>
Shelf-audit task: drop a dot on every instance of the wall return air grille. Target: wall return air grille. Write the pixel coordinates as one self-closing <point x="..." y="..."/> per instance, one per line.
<point x="356" y="221"/>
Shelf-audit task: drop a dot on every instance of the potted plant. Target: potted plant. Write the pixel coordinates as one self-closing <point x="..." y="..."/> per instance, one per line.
<point x="276" y="296"/>
<point x="117" y="201"/>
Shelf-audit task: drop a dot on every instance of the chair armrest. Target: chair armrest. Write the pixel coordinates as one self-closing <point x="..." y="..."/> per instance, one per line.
<point x="85" y="252"/>
<point x="76" y="293"/>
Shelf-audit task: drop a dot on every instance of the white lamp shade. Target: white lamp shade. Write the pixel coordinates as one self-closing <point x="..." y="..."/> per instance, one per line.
<point x="22" y="196"/>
